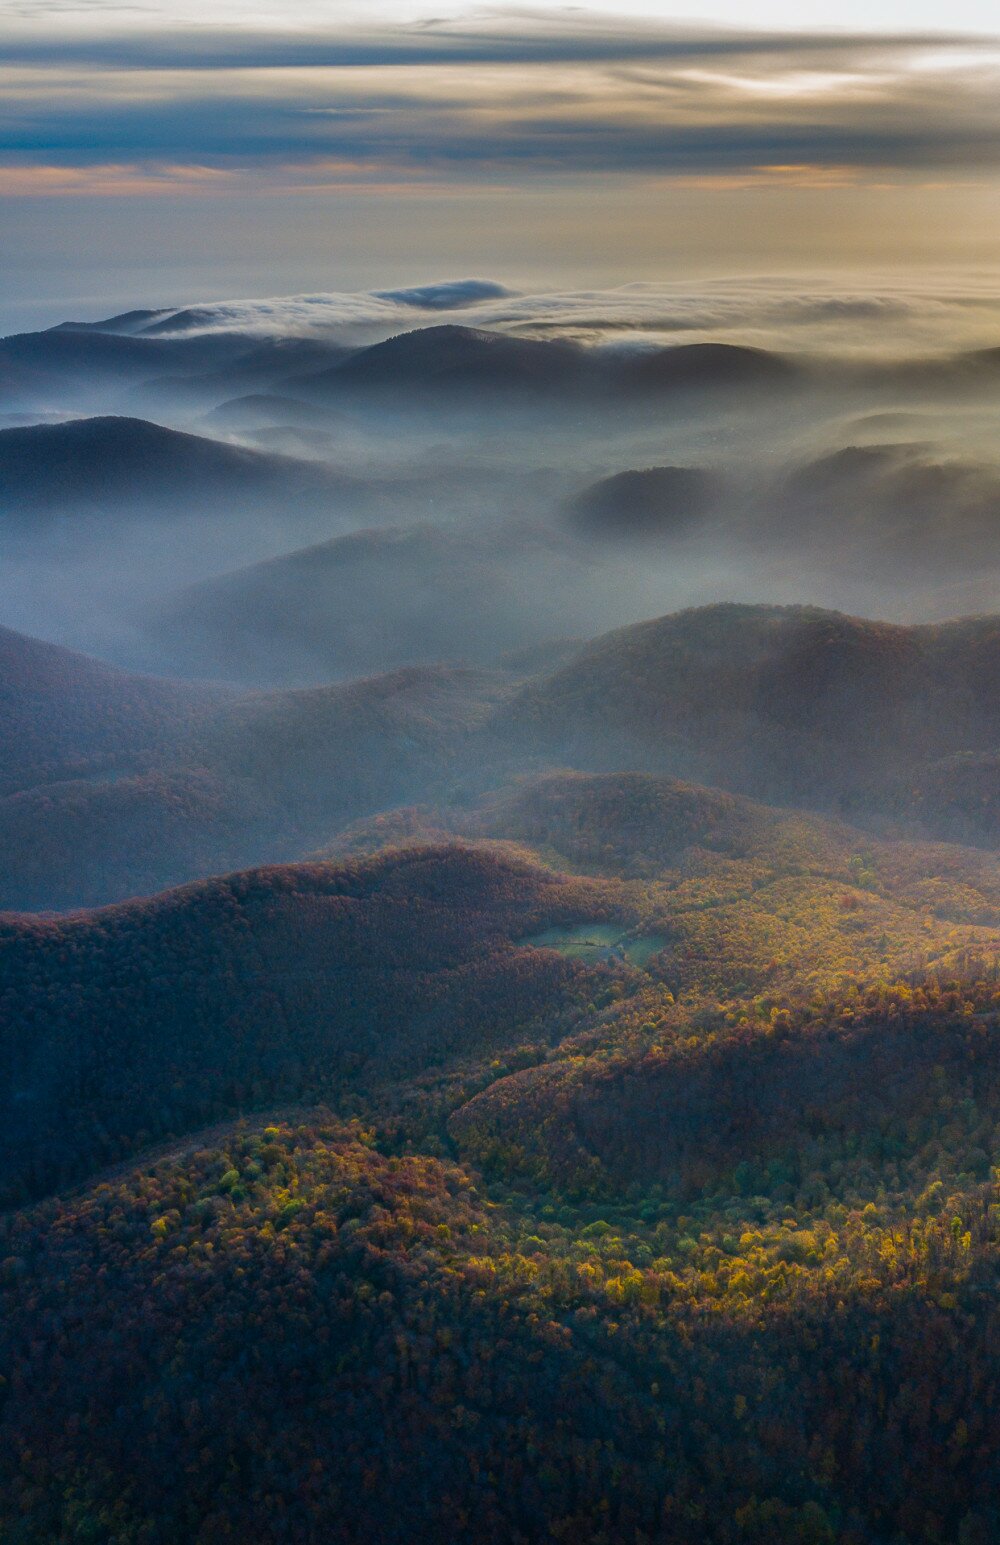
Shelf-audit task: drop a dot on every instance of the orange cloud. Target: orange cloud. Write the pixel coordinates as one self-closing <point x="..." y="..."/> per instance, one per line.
<point x="109" y="180"/>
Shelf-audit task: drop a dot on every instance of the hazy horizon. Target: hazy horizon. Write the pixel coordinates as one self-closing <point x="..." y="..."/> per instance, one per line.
<point x="173" y="152"/>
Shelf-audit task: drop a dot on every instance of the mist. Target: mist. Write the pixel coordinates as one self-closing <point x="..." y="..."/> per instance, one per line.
<point x="390" y="549"/>
<point x="287" y="492"/>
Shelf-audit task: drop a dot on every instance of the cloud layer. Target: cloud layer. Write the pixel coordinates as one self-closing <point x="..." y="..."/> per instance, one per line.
<point x="513" y="101"/>
<point x="792" y="314"/>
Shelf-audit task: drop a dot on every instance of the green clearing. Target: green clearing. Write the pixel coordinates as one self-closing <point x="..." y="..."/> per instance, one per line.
<point x="598" y="941"/>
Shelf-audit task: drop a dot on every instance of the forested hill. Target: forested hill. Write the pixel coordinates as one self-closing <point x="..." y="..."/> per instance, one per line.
<point x="121" y="785"/>
<point x="593" y="1156"/>
<point x="792" y="704"/>
<point x="117" y="785"/>
<point x="65" y="713"/>
<point x="323" y="980"/>
<point x="125" y="1025"/>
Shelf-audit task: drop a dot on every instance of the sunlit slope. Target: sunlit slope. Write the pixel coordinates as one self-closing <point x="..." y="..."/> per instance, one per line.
<point x="328" y="1340"/>
<point x="308" y="980"/>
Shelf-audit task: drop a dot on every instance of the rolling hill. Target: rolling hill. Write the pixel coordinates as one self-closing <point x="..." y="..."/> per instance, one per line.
<point x="177" y="783"/>
<point x="318" y="613"/>
<point x="790" y="704"/>
<point x="737" y="897"/>
<point x="88" y="368"/>
<point x="476" y="1077"/>
<point x="895" y="510"/>
<point x="650" y="505"/>
<point x="65" y="713"/>
<point x="267" y="410"/>
<point x="107" y="467"/>
<point x="893" y="728"/>
<point x="636" y="1175"/>
<point x="263" y="366"/>
<point x="453" y="359"/>
<point x="144" y="1020"/>
<point x="701" y="893"/>
<point x="708" y="367"/>
<point x="679" y="1222"/>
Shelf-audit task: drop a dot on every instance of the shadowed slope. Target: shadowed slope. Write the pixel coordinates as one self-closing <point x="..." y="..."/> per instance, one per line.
<point x="65" y="713"/>
<point x="253" y="779"/>
<point x="788" y="703"/>
<point x="136" y="1021"/>
<point x="107" y="465"/>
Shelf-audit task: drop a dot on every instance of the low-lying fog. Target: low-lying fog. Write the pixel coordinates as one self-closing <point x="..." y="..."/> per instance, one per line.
<point x="271" y="493"/>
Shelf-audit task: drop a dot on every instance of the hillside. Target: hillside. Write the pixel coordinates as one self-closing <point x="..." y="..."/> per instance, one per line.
<point x="642" y="825"/>
<point x="453" y="359"/>
<point x="654" y="1183"/>
<point x="331" y="1263"/>
<point x="741" y="898"/>
<point x="898" y="510"/>
<point x="867" y="1080"/>
<point x="327" y="753"/>
<point x="296" y="965"/>
<point x="488" y="1056"/>
<point x="721" y="898"/>
<point x="80" y="367"/>
<point x="266" y="410"/>
<point x="708" y="367"/>
<point x="892" y="728"/>
<point x="790" y="704"/>
<point x="317" y="614"/>
<point x="262" y="366"/>
<point x="87" y="839"/>
<point x="88" y="464"/>
<point x="649" y="505"/>
<point x="65" y="351"/>
<point x="327" y="1338"/>
<point x="130" y="1023"/>
<point x="638" y="825"/>
<point x="245" y="780"/>
<point x="66" y="714"/>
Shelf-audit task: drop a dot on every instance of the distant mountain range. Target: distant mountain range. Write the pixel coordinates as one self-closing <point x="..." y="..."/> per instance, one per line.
<point x="74" y="361"/>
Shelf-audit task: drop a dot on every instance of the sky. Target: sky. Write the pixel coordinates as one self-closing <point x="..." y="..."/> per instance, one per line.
<point x="159" y="153"/>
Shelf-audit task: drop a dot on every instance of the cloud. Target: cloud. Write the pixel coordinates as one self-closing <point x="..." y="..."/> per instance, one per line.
<point x="378" y="312"/>
<point x="447" y="297"/>
<point x="443" y="105"/>
<point x="109" y="180"/>
<point x="580" y="38"/>
<point x="777" y="312"/>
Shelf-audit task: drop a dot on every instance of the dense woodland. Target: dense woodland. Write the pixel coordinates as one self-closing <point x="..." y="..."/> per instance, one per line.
<point x="128" y="1024"/>
<point x="362" y="1214"/>
<point x="322" y="1340"/>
